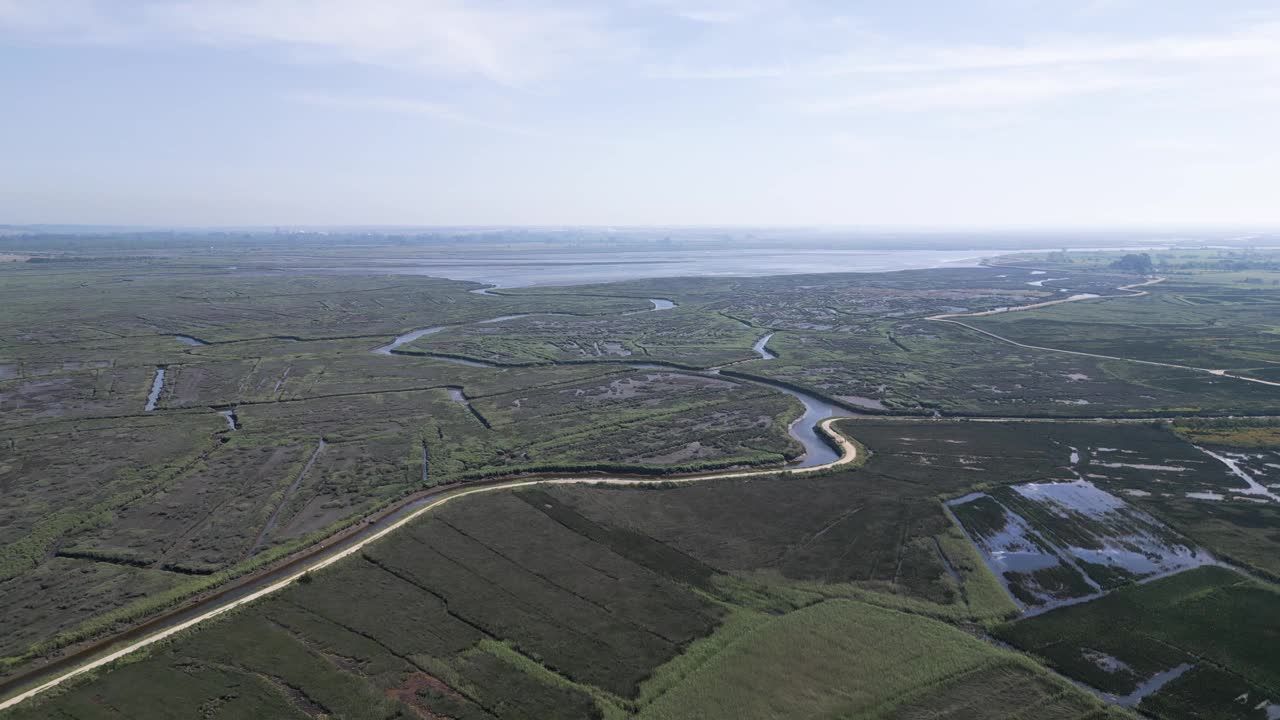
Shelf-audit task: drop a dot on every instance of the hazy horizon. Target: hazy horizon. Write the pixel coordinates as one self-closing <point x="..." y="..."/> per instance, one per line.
<point x="922" y="115"/>
<point x="851" y="234"/>
<point x="395" y="228"/>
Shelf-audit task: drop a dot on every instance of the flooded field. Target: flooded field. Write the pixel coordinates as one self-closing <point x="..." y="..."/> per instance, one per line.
<point x="1248" y="467"/>
<point x="1159" y="470"/>
<point x="1189" y="645"/>
<point x="1033" y="570"/>
<point x="1058" y="542"/>
<point x="1111" y="539"/>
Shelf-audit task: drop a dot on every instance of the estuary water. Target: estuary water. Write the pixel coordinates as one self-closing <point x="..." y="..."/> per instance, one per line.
<point x="526" y="269"/>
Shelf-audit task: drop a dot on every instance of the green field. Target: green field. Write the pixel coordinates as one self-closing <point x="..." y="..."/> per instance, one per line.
<point x="515" y="605"/>
<point x="1211" y="619"/>
<point x="1177" y="322"/>
<point x="846" y="659"/>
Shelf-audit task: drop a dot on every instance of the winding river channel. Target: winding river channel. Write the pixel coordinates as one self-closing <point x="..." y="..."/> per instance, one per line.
<point x="805" y="429"/>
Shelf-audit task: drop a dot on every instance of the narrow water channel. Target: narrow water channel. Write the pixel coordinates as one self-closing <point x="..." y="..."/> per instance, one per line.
<point x="504" y="318"/>
<point x="407" y="338"/>
<point x="156" y="386"/>
<point x="658" y="304"/>
<point x="762" y="349"/>
<point x="461" y="398"/>
<point x="1254" y="487"/>
<point x="1151" y="685"/>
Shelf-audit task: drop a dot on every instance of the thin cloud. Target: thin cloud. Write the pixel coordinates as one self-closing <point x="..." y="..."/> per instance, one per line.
<point x="1260" y="42"/>
<point x="507" y="43"/>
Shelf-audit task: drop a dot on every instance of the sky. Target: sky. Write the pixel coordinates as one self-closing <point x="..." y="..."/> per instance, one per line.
<point x="912" y="113"/>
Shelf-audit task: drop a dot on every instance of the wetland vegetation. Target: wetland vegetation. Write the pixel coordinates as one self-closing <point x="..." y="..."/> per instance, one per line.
<point x="1026" y="475"/>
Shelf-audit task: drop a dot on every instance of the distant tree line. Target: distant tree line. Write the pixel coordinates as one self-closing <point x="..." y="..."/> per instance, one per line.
<point x="89" y="259"/>
<point x="1136" y="263"/>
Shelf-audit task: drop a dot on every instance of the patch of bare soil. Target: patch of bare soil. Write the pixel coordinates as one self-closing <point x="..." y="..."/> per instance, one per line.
<point x="418" y="685"/>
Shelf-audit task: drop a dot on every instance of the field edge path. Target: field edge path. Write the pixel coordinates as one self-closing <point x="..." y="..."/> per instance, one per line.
<point x="951" y="318"/>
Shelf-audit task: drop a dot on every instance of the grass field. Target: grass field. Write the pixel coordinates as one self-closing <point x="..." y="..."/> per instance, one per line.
<point x="863" y="533"/>
<point x="917" y="367"/>
<point x="304" y="656"/>
<point x="1180" y="322"/>
<point x="1250" y="433"/>
<point x="1241" y="531"/>
<point x="581" y="602"/>
<point x="846" y="659"/>
<point x="1004" y="689"/>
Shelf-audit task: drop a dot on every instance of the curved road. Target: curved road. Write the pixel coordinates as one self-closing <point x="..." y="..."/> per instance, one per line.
<point x="321" y="557"/>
